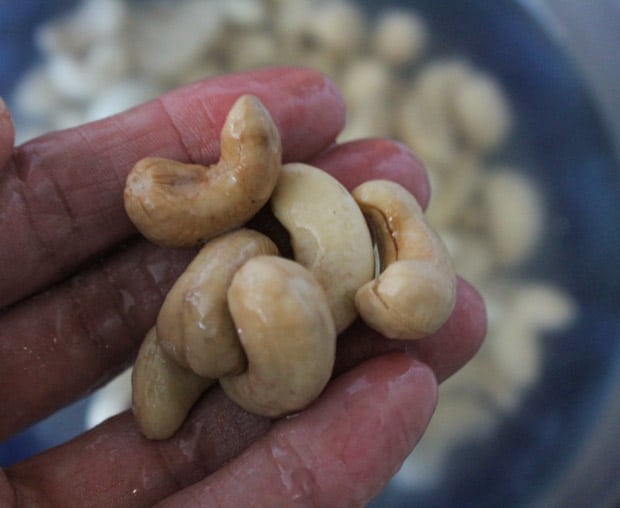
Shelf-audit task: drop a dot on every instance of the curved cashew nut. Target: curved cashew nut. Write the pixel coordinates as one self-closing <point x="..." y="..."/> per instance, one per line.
<point x="416" y="291"/>
<point x="288" y="335"/>
<point x="178" y="205"/>
<point x="163" y="392"/>
<point x="328" y="234"/>
<point x="194" y="324"/>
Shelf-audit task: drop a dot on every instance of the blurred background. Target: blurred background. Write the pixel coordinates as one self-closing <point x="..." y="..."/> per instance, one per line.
<point x="514" y="108"/>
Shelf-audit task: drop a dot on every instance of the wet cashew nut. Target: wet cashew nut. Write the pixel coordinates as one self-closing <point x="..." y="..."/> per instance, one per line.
<point x="328" y="233"/>
<point x="163" y="392"/>
<point x="416" y="291"/>
<point x="194" y="324"/>
<point x="288" y="335"/>
<point x="178" y="205"/>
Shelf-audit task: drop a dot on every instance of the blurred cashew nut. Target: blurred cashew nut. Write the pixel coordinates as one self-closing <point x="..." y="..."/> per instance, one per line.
<point x="328" y="234"/>
<point x="178" y="205"/>
<point x="416" y="290"/>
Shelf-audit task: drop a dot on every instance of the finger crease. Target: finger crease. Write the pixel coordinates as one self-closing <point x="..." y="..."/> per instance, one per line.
<point x="39" y="240"/>
<point x="175" y="129"/>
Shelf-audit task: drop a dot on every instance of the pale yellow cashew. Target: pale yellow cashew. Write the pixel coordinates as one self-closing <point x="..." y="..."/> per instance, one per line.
<point x="288" y="335"/>
<point x="176" y="204"/>
<point x="163" y="393"/>
<point x="416" y="291"/>
<point x="194" y="324"/>
<point x="328" y="234"/>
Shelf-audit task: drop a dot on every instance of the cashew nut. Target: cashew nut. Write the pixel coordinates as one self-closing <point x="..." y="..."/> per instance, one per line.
<point x="328" y="234"/>
<point x="515" y="215"/>
<point x="288" y="335"/>
<point x="416" y="291"/>
<point x="176" y="204"/>
<point x="163" y="392"/>
<point x="400" y="36"/>
<point x="194" y="325"/>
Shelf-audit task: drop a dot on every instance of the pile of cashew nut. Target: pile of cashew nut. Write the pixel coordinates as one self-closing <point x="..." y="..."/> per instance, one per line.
<point x="263" y="325"/>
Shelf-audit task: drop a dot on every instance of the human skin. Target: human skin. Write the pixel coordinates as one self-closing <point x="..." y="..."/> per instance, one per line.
<point x="79" y="288"/>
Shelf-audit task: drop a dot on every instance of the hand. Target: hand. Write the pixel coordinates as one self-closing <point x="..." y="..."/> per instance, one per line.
<point x="80" y="289"/>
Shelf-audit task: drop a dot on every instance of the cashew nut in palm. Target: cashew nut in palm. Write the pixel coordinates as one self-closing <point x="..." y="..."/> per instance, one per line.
<point x="288" y="335"/>
<point x="266" y="326"/>
<point x="163" y="392"/>
<point x="194" y="324"/>
<point x="176" y="204"/>
<point x="328" y="234"/>
<point x="416" y="290"/>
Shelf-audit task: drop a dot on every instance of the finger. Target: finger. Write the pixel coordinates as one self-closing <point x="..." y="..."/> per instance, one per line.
<point x="351" y="441"/>
<point x="63" y="198"/>
<point x="56" y="347"/>
<point x="71" y="338"/>
<point x="338" y="453"/>
<point x="114" y="465"/>
<point x="357" y="161"/>
<point x="7" y="136"/>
